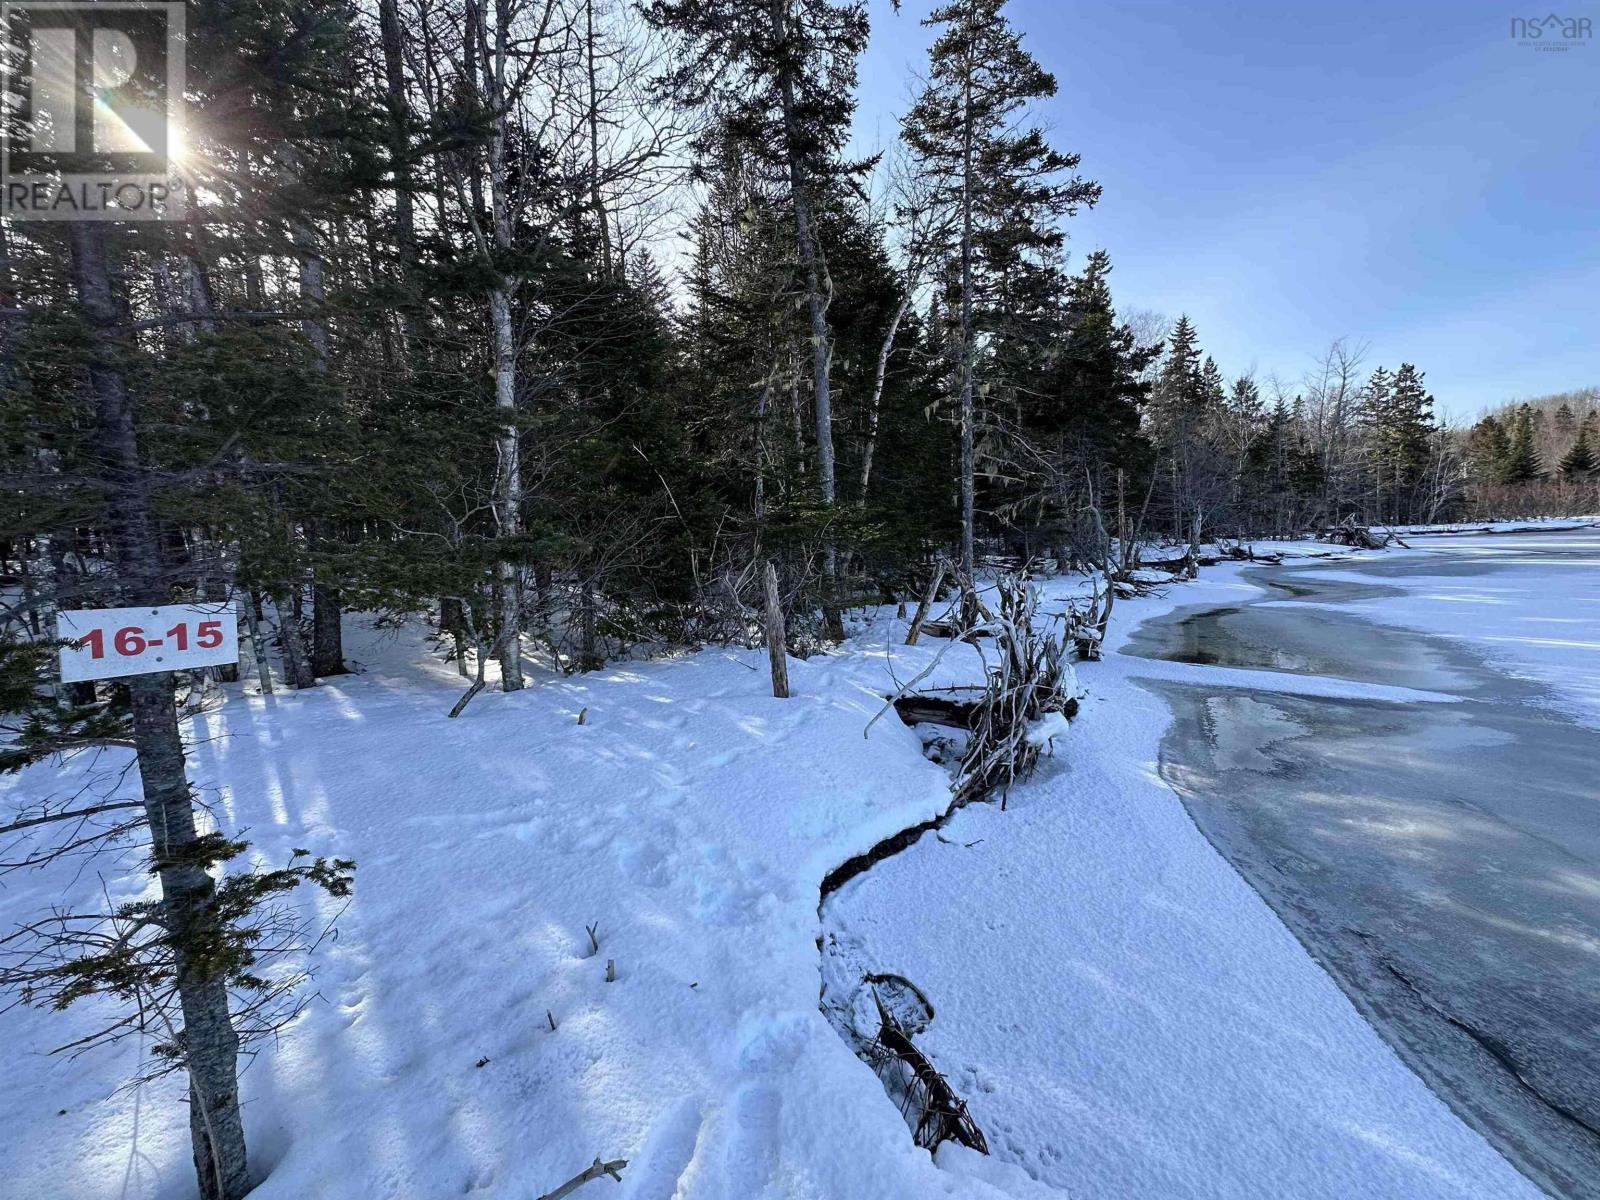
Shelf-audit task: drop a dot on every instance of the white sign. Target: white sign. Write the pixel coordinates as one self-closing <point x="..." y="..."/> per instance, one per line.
<point x="108" y="643"/>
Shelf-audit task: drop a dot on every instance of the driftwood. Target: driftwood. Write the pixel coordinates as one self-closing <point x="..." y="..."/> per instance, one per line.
<point x="952" y="631"/>
<point x="916" y="709"/>
<point x="954" y="713"/>
<point x="1027" y="691"/>
<point x="594" y="1171"/>
<point x="1029" y="684"/>
<point x="928" y="597"/>
<point x="1089" y="628"/>
<point x="941" y="1115"/>
<point x="1183" y="563"/>
<point x="1348" y="533"/>
<point x="1172" y="566"/>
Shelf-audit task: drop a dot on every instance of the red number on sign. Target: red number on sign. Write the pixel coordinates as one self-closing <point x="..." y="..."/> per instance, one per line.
<point x="210" y="635"/>
<point x="179" y="634"/>
<point x="130" y="641"/>
<point x="95" y="641"/>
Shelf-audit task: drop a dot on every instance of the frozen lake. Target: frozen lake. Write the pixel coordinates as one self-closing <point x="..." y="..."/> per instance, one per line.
<point x="1388" y="762"/>
<point x="1442" y="861"/>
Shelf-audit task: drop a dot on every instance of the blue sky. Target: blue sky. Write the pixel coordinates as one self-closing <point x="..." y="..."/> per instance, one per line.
<point x="1287" y="173"/>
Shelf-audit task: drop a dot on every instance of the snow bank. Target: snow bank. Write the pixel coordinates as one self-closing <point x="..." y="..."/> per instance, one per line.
<point x="691" y="818"/>
<point x="1124" y="1015"/>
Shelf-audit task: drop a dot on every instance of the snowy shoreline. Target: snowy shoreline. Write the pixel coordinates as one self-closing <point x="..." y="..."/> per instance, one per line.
<point x="692" y="819"/>
<point x="1104" y="1134"/>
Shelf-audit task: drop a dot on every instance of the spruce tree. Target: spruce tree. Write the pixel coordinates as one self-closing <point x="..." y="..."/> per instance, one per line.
<point x="1002" y="184"/>
<point x="1213" y="392"/>
<point x="1403" y="432"/>
<point x="1521" y="463"/>
<point x="1189" y="398"/>
<point x="1583" y="459"/>
<point x="1488" y="446"/>
<point x="1180" y="389"/>
<point x="781" y="76"/>
<point x="1101" y="374"/>
<point x="1076" y="387"/>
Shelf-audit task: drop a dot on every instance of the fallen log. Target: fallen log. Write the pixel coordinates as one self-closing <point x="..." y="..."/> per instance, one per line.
<point x="928" y="597"/>
<point x="951" y="631"/>
<point x="1348" y="533"/>
<point x="941" y="1115"/>
<point x="959" y="713"/>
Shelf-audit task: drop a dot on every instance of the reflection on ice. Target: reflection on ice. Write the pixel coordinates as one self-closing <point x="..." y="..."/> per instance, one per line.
<point x="1242" y="729"/>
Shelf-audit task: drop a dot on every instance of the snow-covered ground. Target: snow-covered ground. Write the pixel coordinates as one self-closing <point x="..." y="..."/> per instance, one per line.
<point x="691" y="817"/>
<point x="1520" y="525"/>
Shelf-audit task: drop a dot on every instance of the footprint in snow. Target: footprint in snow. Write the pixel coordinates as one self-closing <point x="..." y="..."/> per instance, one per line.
<point x="750" y="1156"/>
<point x="644" y="864"/>
<point x="776" y="1044"/>
<point x="654" y="1175"/>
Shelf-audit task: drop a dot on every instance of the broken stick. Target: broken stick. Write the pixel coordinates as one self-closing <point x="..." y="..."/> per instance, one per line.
<point x="593" y="1171"/>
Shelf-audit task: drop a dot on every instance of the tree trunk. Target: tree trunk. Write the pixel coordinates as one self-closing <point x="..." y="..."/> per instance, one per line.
<point x="928" y="597"/>
<point x="296" y="668"/>
<point x="327" y="631"/>
<point x="968" y="460"/>
<point x="209" y="1043"/>
<point x="589" y="650"/>
<point x="777" y="646"/>
<point x="816" y="304"/>
<point x="876" y="402"/>
<point x="392" y="39"/>
<point x="394" y="80"/>
<point x="451" y="622"/>
<point x="258" y="642"/>
<point x="596" y="201"/>
<point x="508" y="489"/>
<point x="508" y="492"/>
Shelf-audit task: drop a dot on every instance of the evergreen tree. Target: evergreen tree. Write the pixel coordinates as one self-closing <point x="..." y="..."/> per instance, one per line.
<point x="1101" y="372"/>
<point x="1398" y="411"/>
<point x="1244" y="402"/>
<point x="1180" y="391"/>
<point x="1583" y="459"/>
<point x="1187" y="406"/>
<point x="781" y="77"/>
<point x="1488" y="446"/>
<point x="1002" y="184"/>
<point x="1213" y="392"/>
<point x="1078" y="390"/>
<point x="1521" y="462"/>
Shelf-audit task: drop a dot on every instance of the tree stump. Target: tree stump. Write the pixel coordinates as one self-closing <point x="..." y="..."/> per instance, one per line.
<point x="776" y="645"/>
